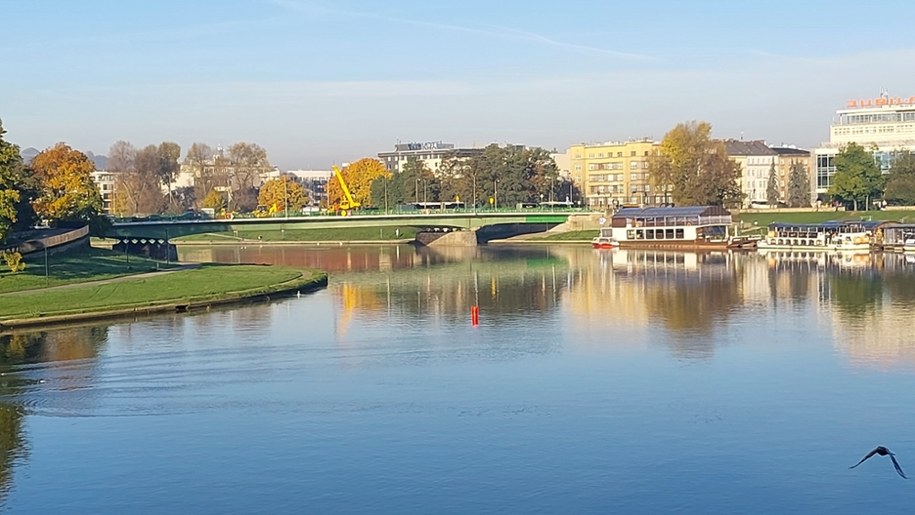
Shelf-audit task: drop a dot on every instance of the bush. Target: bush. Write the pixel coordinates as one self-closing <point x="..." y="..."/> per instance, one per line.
<point x="13" y="261"/>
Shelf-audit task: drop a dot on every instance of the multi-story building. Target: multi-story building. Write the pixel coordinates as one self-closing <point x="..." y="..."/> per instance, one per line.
<point x="885" y="125"/>
<point x="756" y="160"/>
<point x="314" y="181"/>
<point x="430" y="153"/>
<point x="104" y="181"/>
<point x="788" y="156"/>
<point x="614" y="174"/>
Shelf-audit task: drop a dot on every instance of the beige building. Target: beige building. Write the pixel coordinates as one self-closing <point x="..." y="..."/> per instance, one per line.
<point x="104" y="181"/>
<point x="787" y="157"/>
<point x="756" y="160"/>
<point x="614" y="174"/>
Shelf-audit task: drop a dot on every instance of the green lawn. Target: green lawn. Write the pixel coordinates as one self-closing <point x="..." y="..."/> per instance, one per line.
<point x="383" y="233"/>
<point x="209" y="282"/>
<point x="73" y="267"/>
<point x="568" y="236"/>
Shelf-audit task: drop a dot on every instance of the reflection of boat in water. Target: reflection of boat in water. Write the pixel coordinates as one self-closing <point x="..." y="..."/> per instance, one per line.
<point x="604" y="242"/>
<point x="820" y="256"/>
<point x="835" y="235"/>
<point x="694" y="227"/>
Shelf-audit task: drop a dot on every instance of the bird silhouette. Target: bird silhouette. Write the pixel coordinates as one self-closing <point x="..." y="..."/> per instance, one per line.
<point x="882" y="451"/>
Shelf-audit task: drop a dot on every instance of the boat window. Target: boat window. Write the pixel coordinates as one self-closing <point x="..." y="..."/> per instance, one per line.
<point x="649" y="234"/>
<point x="679" y="234"/>
<point x="669" y="234"/>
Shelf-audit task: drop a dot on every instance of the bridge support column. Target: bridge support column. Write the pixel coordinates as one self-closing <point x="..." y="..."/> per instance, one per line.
<point x="451" y="239"/>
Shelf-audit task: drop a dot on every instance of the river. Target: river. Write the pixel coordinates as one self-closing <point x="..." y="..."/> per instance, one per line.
<point x="594" y="382"/>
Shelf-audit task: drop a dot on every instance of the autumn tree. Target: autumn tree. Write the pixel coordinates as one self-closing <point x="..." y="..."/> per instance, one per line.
<point x="215" y="201"/>
<point x="278" y="194"/>
<point x="772" y="187"/>
<point x="695" y="168"/>
<point x="857" y="177"/>
<point x="68" y="193"/>
<point x="798" y="185"/>
<point x="359" y="177"/>
<point x="11" y="179"/>
<point x="248" y="164"/>
<point x="199" y="160"/>
<point x="900" y="185"/>
<point x="169" y="153"/>
<point x="137" y="179"/>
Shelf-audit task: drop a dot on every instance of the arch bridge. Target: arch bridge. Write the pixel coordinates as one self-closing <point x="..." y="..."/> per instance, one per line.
<point x="490" y="225"/>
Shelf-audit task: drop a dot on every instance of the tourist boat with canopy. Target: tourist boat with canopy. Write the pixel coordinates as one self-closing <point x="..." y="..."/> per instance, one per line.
<point x="842" y="235"/>
<point x="693" y="227"/>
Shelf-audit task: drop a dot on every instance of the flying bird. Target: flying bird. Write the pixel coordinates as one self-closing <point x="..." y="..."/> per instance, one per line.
<point x="882" y="451"/>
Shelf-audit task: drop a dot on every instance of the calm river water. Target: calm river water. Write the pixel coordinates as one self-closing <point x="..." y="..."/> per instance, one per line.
<point x="595" y="382"/>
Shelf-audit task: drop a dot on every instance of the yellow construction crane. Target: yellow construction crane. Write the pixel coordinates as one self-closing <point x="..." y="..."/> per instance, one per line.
<point x="348" y="202"/>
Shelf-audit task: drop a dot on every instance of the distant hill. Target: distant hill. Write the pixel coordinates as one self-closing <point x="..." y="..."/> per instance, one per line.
<point x="28" y="154"/>
<point x="101" y="162"/>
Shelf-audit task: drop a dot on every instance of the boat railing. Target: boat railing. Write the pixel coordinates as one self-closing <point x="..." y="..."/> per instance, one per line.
<point x="679" y="221"/>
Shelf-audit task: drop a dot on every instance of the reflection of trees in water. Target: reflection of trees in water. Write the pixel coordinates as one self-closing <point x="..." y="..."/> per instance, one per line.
<point x="503" y="281"/>
<point x="855" y="294"/>
<point x="47" y="347"/>
<point x="65" y="344"/>
<point x="12" y="446"/>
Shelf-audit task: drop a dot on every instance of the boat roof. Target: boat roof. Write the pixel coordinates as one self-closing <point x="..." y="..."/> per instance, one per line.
<point x="829" y="224"/>
<point x="661" y="212"/>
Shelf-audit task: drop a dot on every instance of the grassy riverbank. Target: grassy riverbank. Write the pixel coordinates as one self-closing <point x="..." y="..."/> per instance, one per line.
<point x="177" y="289"/>
<point x="75" y="267"/>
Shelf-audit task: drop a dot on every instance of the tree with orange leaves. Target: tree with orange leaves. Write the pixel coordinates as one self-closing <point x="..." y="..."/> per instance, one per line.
<point x="358" y="177"/>
<point x="67" y="192"/>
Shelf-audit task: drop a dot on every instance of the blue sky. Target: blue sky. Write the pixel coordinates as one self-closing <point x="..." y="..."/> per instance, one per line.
<point x="318" y="82"/>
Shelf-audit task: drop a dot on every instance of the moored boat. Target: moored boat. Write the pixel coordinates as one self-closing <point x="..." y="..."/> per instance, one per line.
<point x="693" y="227"/>
<point x="604" y="242"/>
<point x="852" y="235"/>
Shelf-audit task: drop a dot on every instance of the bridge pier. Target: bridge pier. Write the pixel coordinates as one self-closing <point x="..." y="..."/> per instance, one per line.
<point x="431" y="238"/>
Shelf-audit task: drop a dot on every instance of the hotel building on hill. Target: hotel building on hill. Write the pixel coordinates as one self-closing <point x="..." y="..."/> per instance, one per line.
<point x="430" y="153"/>
<point x="885" y="123"/>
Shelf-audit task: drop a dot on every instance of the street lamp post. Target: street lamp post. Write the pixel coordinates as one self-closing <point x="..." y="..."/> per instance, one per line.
<point x="552" y="185"/>
<point x="495" y="194"/>
<point x="285" y="199"/>
<point x="474" y="199"/>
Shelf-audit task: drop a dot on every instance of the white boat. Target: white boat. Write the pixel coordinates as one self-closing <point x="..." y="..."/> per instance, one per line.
<point x="852" y="235"/>
<point x="604" y="242"/>
<point x="691" y="227"/>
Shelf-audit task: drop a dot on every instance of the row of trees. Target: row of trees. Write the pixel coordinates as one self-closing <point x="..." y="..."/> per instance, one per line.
<point x="499" y="176"/>
<point x="692" y="168"/>
<point x="144" y="178"/>
<point x="56" y="187"/>
<point x="859" y="180"/>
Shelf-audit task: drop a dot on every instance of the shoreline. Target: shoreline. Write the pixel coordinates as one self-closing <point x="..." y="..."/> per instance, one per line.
<point x="303" y="283"/>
